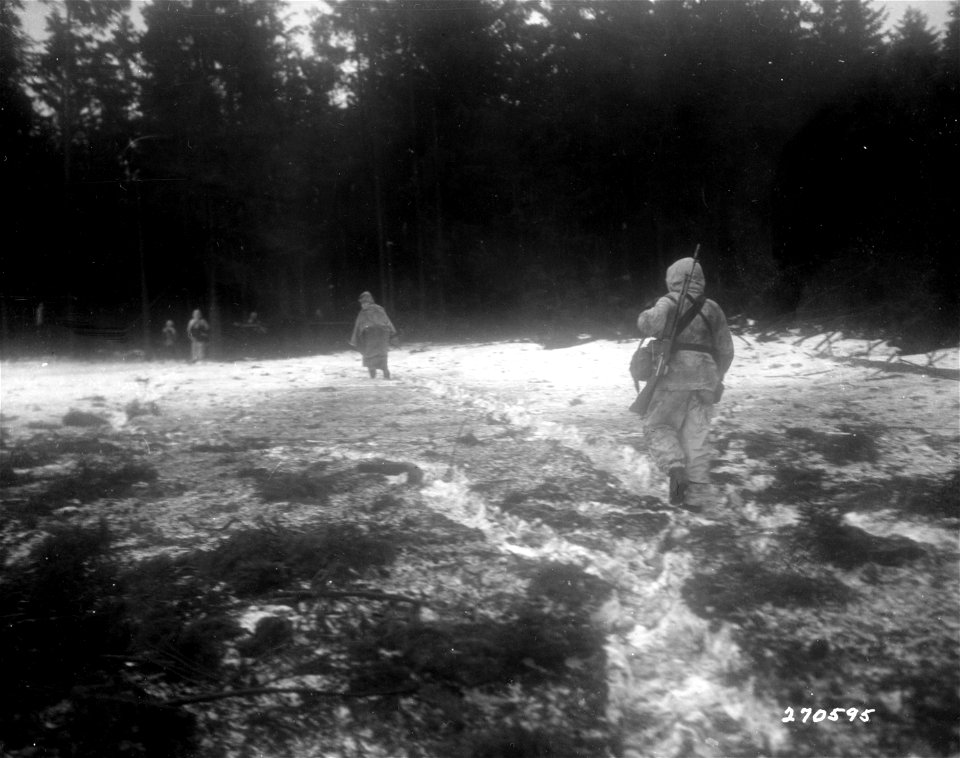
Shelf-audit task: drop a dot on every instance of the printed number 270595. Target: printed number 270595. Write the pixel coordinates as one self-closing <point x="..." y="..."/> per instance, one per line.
<point x="808" y="714"/>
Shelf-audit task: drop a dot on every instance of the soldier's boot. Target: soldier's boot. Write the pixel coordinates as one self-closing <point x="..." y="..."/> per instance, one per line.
<point x="678" y="485"/>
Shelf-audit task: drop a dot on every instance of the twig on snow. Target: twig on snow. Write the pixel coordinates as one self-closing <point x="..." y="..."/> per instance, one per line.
<point x="825" y="341"/>
<point x="230" y="522"/>
<point x="308" y="691"/>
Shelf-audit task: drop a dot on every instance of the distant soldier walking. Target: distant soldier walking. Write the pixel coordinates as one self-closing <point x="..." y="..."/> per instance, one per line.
<point x="169" y="335"/>
<point x="198" y="330"/>
<point x="677" y="421"/>
<point x="371" y="335"/>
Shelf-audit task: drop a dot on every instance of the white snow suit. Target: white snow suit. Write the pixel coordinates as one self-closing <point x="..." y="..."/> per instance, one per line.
<point x="677" y="423"/>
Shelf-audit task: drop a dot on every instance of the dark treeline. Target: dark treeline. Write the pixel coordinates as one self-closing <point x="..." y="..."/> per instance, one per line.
<point x="478" y="159"/>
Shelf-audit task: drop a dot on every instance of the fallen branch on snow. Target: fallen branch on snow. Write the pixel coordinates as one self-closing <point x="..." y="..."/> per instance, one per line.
<point x="904" y="366"/>
<point x="308" y="691"/>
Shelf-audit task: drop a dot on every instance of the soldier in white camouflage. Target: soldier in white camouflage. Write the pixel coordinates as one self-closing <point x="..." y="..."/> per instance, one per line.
<point x="677" y="423"/>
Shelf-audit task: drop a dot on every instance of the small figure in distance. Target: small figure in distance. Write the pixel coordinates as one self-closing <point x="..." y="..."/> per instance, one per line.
<point x="198" y="330"/>
<point x="371" y="335"/>
<point x="169" y="336"/>
<point x="677" y="422"/>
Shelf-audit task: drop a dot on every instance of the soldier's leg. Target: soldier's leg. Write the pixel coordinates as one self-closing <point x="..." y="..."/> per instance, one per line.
<point x="694" y="439"/>
<point x="662" y="434"/>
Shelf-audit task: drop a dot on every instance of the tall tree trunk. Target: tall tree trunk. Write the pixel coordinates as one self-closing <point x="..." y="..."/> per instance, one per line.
<point x="216" y="330"/>
<point x="417" y="184"/>
<point x="418" y="234"/>
<point x="438" y="219"/>
<point x="66" y="137"/>
<point x="373" y="150"/>
<point x="144" y="293"/>
<point x="213" y="305"/>
<point x="4" y="324"/>
<point x="382" y="247"/>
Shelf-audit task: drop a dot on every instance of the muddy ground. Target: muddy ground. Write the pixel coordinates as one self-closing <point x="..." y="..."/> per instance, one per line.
<point x="285" y="557"/>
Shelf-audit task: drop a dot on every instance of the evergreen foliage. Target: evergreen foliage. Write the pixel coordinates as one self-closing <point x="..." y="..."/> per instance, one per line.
<point x="461" y="157"/>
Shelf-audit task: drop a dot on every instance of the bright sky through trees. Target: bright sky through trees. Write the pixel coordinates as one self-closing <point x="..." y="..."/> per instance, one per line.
<point x="35" y="12"/>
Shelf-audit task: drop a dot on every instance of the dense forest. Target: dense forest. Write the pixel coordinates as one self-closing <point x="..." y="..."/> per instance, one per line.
<point x="477" y="161"/>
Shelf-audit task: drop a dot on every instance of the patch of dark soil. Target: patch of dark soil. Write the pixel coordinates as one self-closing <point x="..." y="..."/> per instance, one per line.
<point x="852" y="444"/>
<point x="791" y="657"/>
<point x="932" y="703"/>
<point x="894" y="652"/>
<point x="941" y="442"/>
<point x="386" y="502"/>
<point x="94" y="480"/>
<point x="568" y="587"/>
<point x="256" y="561"/>
<point x="240" y="445"/>
<point x="135" y="408"/>
<point x="725" y="477"/>
<point x="125" y="723"/>
<point x="296" y="487"/>
<point x="63" y="647"/>
<point x="179" y="624"/>
<point x="912" y="496"/>
<point x="734" y="589"/>
<point x="520" y="742"/>
<point x="26" y="456"/>
<point x="641" y="525"/>
<point x="42" y="450"/>
<point x="91" y="480"/>
<point x="821" y="530"/>
<point x="10" y="478"/>
<point x="759" y="445"/>
<point x="529" y="646"/>
<point x="315" y="484"/>
<point x="271" y="635"/>
<point x="61" y="612"/>
<point x="85" y="446"/>
<point x="711" y="544"/>
<point x="427" y="528"/>
<point x="550" y="491"/>
<point x="74" y="417"/>
<point x="792" y="484"/>
<point x="561" y="519"/>
<point x="47" y="425"/>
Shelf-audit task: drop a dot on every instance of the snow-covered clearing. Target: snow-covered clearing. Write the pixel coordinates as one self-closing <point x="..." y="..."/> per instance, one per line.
<point x="533" y="451"/>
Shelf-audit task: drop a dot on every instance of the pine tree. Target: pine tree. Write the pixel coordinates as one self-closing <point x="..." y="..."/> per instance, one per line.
<point x="221" y="101"/>
<point x="914" y="36"/>
<point x="83" y="76"/>
<point x="16" y="113"/>
<point x="847" y="37"/>
<point x="951" y="46"/>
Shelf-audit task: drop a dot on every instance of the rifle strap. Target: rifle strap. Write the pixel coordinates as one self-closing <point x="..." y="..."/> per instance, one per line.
<point x="687" y="317"/>
<point x="696" y="304"/>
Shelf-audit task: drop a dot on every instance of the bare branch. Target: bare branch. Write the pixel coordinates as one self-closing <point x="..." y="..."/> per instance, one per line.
<point x="308" y="691"/>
